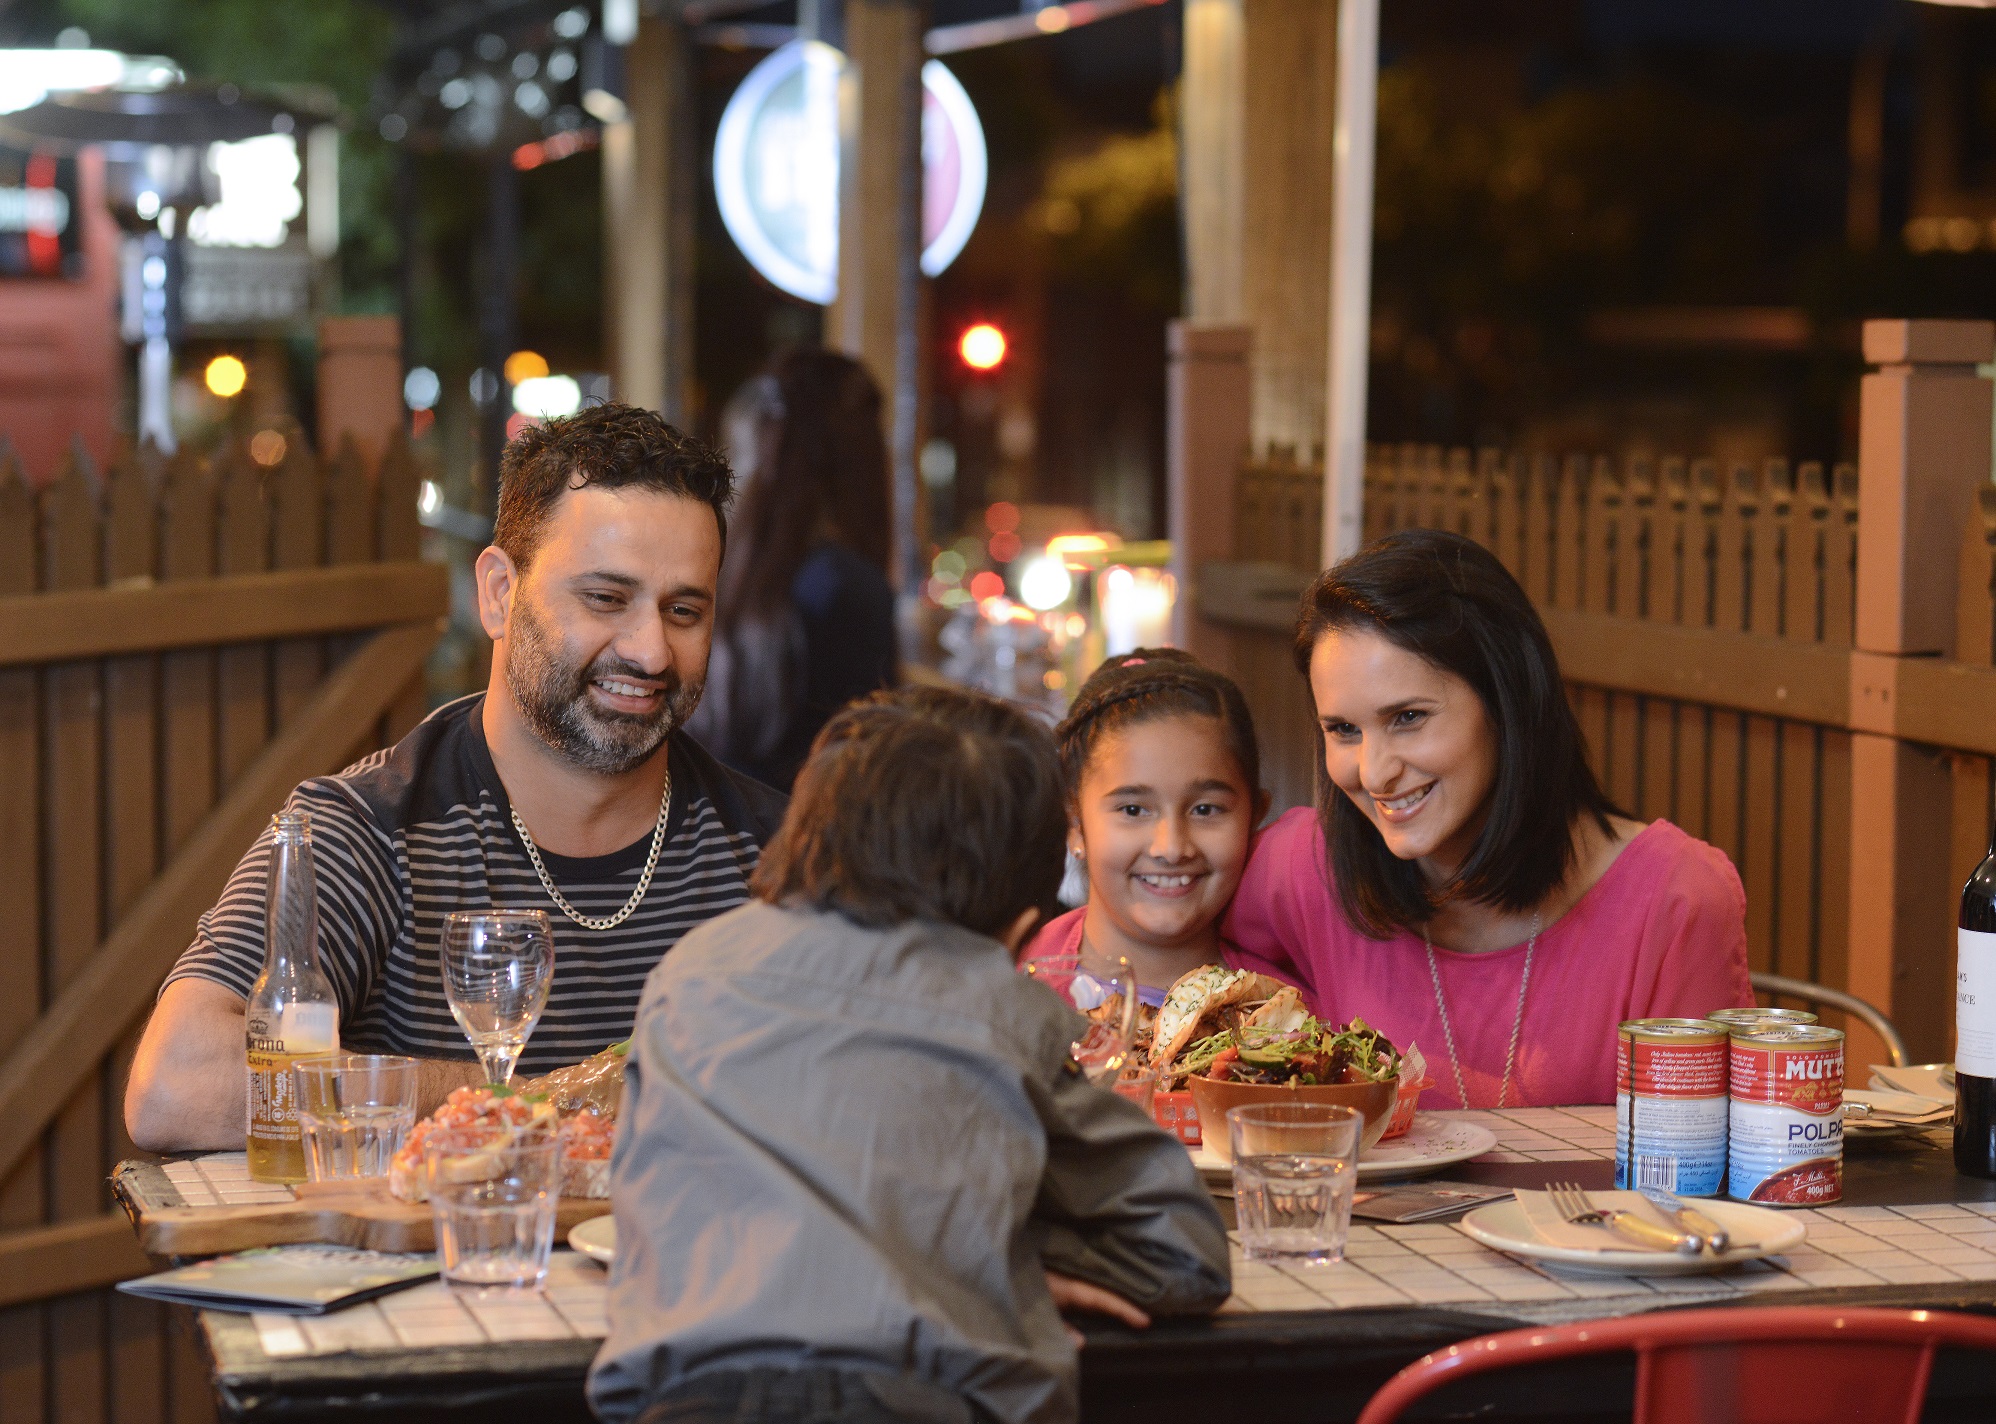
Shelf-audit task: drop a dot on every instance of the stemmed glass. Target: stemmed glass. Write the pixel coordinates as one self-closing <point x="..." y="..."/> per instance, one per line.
<point x="498" y="966"/>
<point x="1104" y="989"/>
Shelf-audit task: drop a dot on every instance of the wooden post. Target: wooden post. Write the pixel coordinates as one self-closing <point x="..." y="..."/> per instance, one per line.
<point x="1924" y="454"/>
<point x="1290" y="71"/>
<point x="647" y="242"/>
<point x="1206" y="434"/>
<point x="1211" y="125"/>
<point x="360" y="382"/>
<point x="1351" y="278"/>
<point x="876" y="315"/>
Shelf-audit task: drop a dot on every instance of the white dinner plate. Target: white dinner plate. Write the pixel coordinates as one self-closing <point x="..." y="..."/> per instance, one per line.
<point x="595" y="1238"/>
<point x="1756" y="1230"/>
<point x="1434" y="1141"/>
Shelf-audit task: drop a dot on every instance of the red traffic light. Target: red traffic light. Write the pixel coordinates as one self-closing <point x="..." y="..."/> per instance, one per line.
<point x="982" y="347"/>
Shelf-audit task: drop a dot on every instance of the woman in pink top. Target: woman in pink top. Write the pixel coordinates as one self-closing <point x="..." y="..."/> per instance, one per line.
<point x="1464" y="883"/>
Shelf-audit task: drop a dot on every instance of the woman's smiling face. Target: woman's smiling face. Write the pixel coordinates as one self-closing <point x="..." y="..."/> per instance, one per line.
<point x="1165" y="820"/>
<point x="1410" y="743"/>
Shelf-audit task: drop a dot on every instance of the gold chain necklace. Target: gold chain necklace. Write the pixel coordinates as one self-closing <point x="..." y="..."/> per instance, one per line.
<point x="600" y="922"/>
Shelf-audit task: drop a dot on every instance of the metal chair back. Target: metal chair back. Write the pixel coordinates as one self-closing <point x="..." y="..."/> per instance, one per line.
<point x="1747" y="1366"/>
<point x="1824" y="995"/>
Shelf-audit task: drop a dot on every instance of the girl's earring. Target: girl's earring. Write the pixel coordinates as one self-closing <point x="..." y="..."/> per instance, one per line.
<point x="1074" y="881"/>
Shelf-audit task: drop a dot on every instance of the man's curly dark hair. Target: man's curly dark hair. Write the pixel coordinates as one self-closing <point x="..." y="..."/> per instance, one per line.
<point x="612" y="445"/>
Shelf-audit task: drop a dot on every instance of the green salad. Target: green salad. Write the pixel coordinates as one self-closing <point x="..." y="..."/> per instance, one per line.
<point x="1315" y="1052"/>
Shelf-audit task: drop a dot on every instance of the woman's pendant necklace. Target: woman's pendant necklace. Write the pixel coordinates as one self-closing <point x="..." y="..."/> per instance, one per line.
<point x="1517" y="1023"/>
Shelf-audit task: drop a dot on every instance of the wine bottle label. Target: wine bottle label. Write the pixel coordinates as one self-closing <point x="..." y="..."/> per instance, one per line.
<point x="1975" y="1004"/>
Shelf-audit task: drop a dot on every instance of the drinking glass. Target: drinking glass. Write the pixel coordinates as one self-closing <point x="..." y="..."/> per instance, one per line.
<point x="498" y="965"/>
<point x="1295" y="1172"/>
<point x="1090" y="982"/>
<point x="493" y="1200"/>
<point x="1139" y="1085"/>
<point x="354" y="1112"/>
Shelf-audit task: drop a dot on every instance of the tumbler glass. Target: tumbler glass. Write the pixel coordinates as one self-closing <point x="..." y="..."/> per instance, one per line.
<point x="493" y="1199"/>
<point x="1139" y="1085"/>
<point x="1295" y="1172"/>
<point x="354" y="1112"/>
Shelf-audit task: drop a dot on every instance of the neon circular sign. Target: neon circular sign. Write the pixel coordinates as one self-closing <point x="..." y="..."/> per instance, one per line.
<point x="776" y="168"/>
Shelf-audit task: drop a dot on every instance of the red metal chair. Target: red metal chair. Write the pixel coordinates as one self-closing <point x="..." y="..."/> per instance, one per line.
<point x="1783" y="1365"/>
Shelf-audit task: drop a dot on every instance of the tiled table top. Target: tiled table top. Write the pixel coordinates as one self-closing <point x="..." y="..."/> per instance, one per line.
<point x="569" y="1307"/>
<point x="222" y="1179"/>
<point x="1441" y="1265"/>
<point x="1548" y="1134"/>
<point x="1424" y="1265"/>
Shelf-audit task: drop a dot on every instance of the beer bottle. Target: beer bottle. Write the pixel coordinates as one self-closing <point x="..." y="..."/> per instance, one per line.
<point x="292" y="1012"/>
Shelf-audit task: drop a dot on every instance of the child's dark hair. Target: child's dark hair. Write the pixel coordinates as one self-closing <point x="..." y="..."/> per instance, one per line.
<point x="1144" y="686"/>
<point x="923" y="803"/>
<point x="1448" y="601"/>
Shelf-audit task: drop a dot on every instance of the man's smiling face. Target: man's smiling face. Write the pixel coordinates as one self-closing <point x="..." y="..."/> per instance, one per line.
<point x="609" y="626"/>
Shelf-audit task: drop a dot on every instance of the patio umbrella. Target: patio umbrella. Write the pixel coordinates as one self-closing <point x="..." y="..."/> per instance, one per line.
<point x="126" y="122"/>
<point x="154" y="139"/>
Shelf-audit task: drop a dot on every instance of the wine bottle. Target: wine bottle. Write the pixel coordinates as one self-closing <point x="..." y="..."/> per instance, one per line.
<point x="1975" y="1024"/>
<point x="292" y="1013"/>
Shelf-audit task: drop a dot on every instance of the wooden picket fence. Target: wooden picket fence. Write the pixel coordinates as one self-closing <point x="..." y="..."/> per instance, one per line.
<point x="181" y="641"/>
<point x="1704" y="620"/>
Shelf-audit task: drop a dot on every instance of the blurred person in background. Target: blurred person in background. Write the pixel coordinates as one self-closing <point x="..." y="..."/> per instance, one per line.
<point x="806" y="621"/>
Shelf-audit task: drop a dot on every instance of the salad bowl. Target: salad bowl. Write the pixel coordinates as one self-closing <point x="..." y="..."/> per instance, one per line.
<point x="1215" y="1095"/>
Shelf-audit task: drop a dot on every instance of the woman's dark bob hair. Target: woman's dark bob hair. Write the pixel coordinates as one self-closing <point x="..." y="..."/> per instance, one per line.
<point x="924" y="803"/>
<point x="1447" y="600"/>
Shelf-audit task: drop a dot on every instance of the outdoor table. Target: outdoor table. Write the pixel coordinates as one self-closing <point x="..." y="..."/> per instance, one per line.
<point x="1316" y="1339"/>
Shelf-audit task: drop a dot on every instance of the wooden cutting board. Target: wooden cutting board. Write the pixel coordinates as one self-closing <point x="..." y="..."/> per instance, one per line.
<point x="360" y="1214"/>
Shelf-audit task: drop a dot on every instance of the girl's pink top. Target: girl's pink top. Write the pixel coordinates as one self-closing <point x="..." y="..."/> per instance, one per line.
<point x="1058" y="936"/>
<point x="1661" y="935"/>
<point x="1061" y="935"/>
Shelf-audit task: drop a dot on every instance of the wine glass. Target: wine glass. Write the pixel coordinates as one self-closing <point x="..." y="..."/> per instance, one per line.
<point x="1104" y="989"/>
<point x="498" y="966"/>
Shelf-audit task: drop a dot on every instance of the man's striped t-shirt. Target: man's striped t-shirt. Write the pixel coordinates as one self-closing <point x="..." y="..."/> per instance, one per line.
<point x="411" y="833"/>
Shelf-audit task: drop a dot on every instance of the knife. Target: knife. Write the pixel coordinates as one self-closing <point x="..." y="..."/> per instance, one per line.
<point x="1689" y="1219"/>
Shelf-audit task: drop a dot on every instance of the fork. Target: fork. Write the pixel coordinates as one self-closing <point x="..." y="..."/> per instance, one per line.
<point x="1572" y="1203"/>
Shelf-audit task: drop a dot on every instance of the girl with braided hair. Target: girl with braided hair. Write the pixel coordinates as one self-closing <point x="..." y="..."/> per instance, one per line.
<point x="1163" y="782"/>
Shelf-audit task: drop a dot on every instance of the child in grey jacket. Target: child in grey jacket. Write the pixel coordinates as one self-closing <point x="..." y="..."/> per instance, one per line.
<point x="858" y="1171"/>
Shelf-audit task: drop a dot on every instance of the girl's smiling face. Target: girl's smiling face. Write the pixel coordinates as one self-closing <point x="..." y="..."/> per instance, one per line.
<point x="1165" y="818"/>
<point x="1410" y="743"/>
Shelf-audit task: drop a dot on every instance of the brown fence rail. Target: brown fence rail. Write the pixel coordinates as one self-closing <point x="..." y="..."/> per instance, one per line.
<point x="180" y="642"/>
<point x="1706" y="618"/>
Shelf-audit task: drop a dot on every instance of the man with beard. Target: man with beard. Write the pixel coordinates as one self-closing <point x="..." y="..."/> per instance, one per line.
<point x="566" y="786"/>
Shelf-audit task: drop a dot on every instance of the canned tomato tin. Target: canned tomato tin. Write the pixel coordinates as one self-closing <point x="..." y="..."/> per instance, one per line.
<point x="1761" y="1018"/>
<point x="1787" y="1115"/>
<point x="1671" y="1106"/>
